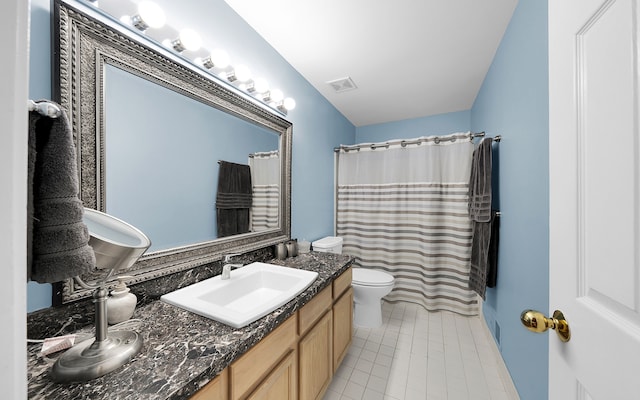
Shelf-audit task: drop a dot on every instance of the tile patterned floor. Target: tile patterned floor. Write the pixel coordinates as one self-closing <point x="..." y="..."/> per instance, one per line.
<point x="419" y="355"/>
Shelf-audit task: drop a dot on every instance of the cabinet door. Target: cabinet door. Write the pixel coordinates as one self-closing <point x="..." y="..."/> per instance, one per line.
<point x="279" y="384"/>
<point x="342" y="283"/>
<point x="342" y="327"/>
<point x="217" y="389"/>
<point x="316" y="367"/>
<point x="314" y="310"/>
<point x="260" y="360"/>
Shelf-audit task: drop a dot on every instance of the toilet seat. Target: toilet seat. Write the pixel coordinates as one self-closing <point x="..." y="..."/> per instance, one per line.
<point x="371" y="277"/>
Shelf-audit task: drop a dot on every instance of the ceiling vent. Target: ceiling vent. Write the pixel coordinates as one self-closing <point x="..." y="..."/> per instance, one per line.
<point x="342" y="85"/>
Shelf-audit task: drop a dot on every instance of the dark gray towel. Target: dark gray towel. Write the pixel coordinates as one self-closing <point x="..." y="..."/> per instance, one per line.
<point x="492" y="257"/>
<point x="480" y="182"/>
<point x="481" y="255"/>
<point x="58" y="241"/>
<point x="234" y="198"/>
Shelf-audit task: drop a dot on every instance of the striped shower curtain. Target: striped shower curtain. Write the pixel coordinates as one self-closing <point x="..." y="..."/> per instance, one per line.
<point x="403" y="209"/>
<point x="265" y="177"/>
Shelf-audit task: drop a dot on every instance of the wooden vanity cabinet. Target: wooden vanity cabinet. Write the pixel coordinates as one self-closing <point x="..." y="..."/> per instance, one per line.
<point x="322" y="348"/>
<point x="342" y="327"/>
<point x="267" y="371"/>
<point x="298" y="359"/>
<point x="342" y="317"/>
<point x="315" y="346"/>
<point x="281" y="383"/>
<point x="253" y="371"/>
<point x="217" y="389"/>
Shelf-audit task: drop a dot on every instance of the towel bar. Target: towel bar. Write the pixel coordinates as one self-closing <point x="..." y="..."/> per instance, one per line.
<point x="46" y="108"/>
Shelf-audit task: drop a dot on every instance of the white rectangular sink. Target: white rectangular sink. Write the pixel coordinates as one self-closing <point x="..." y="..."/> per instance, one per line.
<point x="252" y="292"/>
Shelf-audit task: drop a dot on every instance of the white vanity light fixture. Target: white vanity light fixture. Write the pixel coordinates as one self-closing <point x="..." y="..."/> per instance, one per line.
<point x="126" y="20"/>
<point x="217" y="59"/>
<point x="188" y="39"/>
<point x="276" y="96"/>
<point x="272" y="97"/>
<point x="260" y="85"/>
<point x="240" y="73"/>
<point x="257" y="86"/>
<point x="149" y="15"/>
<point x="289" y="103"/>
<point x="246" y="86"/>
<point x="286" y="105"/>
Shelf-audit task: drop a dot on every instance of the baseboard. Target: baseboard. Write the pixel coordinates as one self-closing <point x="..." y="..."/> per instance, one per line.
<point x="509" y="387"/>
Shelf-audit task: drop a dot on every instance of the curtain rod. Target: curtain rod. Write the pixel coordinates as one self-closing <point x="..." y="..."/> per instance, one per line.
<point x="404" y="143"/>
<point x="264" y="153"/>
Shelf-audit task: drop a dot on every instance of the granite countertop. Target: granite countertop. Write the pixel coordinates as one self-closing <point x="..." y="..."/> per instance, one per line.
<point x="182" y="351"/>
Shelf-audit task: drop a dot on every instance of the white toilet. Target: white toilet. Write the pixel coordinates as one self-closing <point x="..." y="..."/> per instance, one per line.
<point x="369" y="286"/>
<point x="329" y="244"/>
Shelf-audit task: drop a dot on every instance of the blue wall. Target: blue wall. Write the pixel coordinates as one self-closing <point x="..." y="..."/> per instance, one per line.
<point x="514" y="102"/>
<point x="317" y="126"/>
<point x="441" y="124"/>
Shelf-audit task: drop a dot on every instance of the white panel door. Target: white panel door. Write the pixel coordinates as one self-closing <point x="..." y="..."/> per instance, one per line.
<point x="14" y="79"/>
<point x="594" y="165"/>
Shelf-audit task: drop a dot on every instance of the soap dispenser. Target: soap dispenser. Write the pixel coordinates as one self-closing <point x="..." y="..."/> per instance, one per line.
<point x="121" y="303"/>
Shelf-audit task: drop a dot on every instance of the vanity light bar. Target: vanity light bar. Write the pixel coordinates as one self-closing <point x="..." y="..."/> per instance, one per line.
<point x="150" y="16"/>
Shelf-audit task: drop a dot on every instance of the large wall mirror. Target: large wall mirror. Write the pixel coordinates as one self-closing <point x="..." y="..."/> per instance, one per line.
<point x="153" y="133"/>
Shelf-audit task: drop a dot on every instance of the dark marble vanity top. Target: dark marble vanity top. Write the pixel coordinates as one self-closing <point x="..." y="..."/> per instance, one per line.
<point x="182" y="351"/>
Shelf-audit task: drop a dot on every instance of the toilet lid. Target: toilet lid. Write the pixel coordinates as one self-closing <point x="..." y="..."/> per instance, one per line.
<point x="371" y="277"/>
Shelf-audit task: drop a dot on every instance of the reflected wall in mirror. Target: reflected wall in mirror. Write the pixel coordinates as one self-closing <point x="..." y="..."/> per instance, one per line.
<point x="162" y="177"/>
<point x="150" y="129"/>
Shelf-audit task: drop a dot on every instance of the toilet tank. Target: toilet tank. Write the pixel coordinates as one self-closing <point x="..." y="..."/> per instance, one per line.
<point x="329" y="244"/>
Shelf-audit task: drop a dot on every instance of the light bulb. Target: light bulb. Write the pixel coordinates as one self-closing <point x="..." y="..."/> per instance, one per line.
<point x="187" y="40"/>
<point x="150" y="15"/>
<point x="190" y="39"/>
<point x="218" y="58"/>
<point x="289" y="104"/>
<point x="242" y="73"/>
<point x="260" y="85"/>
<point x="276" y="95"/>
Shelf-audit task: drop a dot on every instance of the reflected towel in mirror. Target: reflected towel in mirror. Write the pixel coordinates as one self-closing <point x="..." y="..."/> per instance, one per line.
<point x="234" y="198"/>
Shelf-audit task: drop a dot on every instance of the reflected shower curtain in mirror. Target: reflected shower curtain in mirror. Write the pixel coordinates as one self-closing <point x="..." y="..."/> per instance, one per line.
<point x="265" y="176"/>
<point x="403" y="210"/>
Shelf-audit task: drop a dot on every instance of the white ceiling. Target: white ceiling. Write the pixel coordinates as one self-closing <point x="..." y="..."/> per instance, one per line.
<point x="408" y="58"/>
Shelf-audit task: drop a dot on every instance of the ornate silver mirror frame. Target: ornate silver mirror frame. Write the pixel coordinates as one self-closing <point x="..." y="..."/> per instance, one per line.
<point x="85" y="40"/>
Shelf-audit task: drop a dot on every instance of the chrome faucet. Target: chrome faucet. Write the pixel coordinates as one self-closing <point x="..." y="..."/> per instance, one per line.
<point x="226" y="268"/>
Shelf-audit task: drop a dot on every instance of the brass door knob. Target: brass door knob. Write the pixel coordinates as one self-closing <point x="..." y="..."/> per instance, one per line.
<point x="535" y="321"/>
